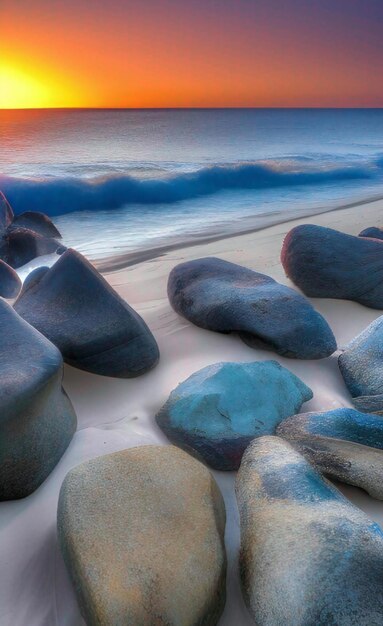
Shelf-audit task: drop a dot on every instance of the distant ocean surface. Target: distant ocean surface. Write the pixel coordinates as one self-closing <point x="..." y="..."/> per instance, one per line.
<point x="120" y="181"/>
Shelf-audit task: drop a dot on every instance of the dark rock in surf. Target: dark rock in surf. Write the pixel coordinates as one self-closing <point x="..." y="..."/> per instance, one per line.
<point x="224" y="297"/>
<point x="95" y="329"/>
<point x="37" y="418"/>
<point x="344" y="444"/>
<point x="37" y="222"/>
<point x="326" y="263"/>
<point x="308" y="556"/>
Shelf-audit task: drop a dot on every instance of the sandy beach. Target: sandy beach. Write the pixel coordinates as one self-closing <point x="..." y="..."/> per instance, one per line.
<point x="114" y="414"/>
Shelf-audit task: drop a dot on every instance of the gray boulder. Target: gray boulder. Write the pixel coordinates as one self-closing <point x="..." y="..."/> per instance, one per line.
<point x="343" y="444"/>
<point x="308" y="556"/>
<point x="225" y="297"/>
<point x="218" y="410"/>
<point x="37" y="418"/>
<point x="373" y="232"/>
<point x="326" y="263"/>
<point x="95" y="329"/>
<point x="361" y="365"/>
<point x="142" y="534"/>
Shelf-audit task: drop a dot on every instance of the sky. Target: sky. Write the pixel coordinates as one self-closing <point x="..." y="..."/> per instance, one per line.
<point x="196" y="53"/>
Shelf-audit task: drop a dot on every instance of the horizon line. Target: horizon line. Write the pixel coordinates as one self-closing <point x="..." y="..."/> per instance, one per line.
<point x="187" y="108"/>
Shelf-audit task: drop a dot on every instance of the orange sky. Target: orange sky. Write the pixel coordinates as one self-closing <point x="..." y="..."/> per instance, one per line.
<point x="197" y="53"/>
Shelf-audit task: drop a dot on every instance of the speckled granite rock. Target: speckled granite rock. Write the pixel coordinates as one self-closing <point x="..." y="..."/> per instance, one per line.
<point x="95" y="329"/>
<point x="308" y="556"/>
<point x="37" y="418"/>
<point x="344" y="444"/>
<point x="26" y="236"/>
<point x="326" y="263"/>
<point x="10" y="282"/>
<point x="218" y="410"/>
<point x="361" y="365"/>
<point x="373" y="232"/>
<point x="224" y="297"/>
<point x="142" y="534"/>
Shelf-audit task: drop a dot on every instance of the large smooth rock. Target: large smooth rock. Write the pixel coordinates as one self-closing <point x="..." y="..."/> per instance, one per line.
<point x="222" y="296"/>
<point x="326" y="263"/>
<point x="308" y="556"/>
<point x="373" y="232"/>
<point x="37" y="420"/>
<point x="344" y="444"/>
<point x="95" y="329"/>
<point x="361" y="365"/>
<point x="218" y="410"/>
<point x="142" y="534"/>
<point x="6" y="212"/>
<point x="10" y="282"/>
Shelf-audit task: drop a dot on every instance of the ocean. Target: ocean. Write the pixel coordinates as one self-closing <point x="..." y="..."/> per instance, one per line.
<point x="121" y="181"/>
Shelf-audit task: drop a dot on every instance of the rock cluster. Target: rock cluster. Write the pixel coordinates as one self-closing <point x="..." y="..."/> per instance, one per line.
<point x="218" y="410"/>
<point x="26" y="236"/>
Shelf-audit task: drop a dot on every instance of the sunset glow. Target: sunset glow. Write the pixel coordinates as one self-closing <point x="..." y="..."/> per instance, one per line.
<point x="180" y="54"/>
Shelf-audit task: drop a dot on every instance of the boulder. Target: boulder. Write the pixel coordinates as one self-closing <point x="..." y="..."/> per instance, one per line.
<point x="37" y="418"/>
<point x="225" y="297"/>
<point x="343" y="444"/>
<point x="326" y="263"/>
<point x="95" y="329"/>
<point x="10" y="282"/>
<point x="361" y="365"/>
<point x="218" y="410"/>
<point x="6" y="213"/>
<point x="308" y="556"/>
<point x="142" y="534"/>
<point x="373" y="232"/>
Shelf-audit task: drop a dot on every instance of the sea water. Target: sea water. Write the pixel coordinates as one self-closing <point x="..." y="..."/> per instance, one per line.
<point x="121" y="181"/>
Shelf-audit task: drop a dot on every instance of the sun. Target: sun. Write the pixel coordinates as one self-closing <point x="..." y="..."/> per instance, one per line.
<point x="22" y="90"/>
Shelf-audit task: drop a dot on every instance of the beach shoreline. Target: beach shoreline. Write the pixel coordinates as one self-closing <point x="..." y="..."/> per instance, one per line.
<point x="121" y="261"/>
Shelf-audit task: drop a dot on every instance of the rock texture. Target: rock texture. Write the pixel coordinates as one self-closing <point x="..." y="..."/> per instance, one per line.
<point x="97" y="331"/>
<point x="218" y="410"/>
<point x="325" y="263"/>
<point x="142" y="534"/>
<point x="26" y="236"/>
<point x="225" y="297"/>
<point x="344" y="444"/>
<point x="10" y="282"/>
<point x="361" y="365"/>
<point x="308" y="556"/>
<point x="373" y="232"/>
<point x="37" y="420"/>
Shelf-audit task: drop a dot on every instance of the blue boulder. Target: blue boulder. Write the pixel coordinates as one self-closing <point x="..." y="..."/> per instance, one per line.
<point x="218" y="410"/>
<point x="308" y="556"/>
<point x="326" y="263"/>
<point x="225" y="297"/>
<point x="343" y="444"/>
<point x="361" y="365"/>
<point x="10" y="282"/>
